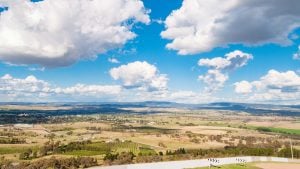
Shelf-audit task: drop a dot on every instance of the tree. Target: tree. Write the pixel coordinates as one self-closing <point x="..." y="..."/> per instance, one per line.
<point x="125" y="158"/>
<point x="25" y="155"/>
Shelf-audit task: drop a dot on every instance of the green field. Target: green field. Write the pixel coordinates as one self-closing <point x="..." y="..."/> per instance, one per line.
<point x="83" y="153"/>
<point x="279" y="130"/>
<point x="13" y="150"/>
<point x="258" y="128"/>
<point x="101" y="148"/>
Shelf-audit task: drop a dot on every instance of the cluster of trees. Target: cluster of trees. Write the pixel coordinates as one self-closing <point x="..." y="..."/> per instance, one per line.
<point x="13" y="140"/>
<point x="58" y="163"/>
<point x="129" y="157"/>
<point x="243" y="141"/>
<point x="94" y="128"/>
<point x="264" y="129"/>
<point x="58" y="148"/>
<point x="85" y="145"/>
<point x="176" y="152"/>
<point x="286" y="152"/>
<point x="231" y="151"/>
<point x="49" y="147"/>
<point x="52" y="147"/>
<point x="28" y="154"/>
<point x="119" y="158"/>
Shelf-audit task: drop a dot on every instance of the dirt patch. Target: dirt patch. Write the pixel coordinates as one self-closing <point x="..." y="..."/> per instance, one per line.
<point x="278" y="165"/>
<point x="208" y="130"/>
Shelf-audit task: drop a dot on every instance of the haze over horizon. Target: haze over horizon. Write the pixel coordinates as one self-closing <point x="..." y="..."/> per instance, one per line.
<point x="190" y="51"/>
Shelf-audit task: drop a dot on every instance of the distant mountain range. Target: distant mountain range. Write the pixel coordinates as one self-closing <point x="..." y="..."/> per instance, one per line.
<point x="292" y="110"/>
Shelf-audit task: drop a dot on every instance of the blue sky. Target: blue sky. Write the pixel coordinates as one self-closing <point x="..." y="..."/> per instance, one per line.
<point x="147" y="68"/>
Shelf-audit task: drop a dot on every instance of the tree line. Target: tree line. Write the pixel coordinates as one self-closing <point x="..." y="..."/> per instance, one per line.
<point x="53" y="162"/>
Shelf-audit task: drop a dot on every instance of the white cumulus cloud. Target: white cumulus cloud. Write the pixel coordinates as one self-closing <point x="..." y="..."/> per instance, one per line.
<point x="214" y="79"/>
<point x="90" y="90"/>
<point x="273" y="86"/>
<point x="243" y="87"/>
<point x="140" y="75"/>
<point x="201" y="25"/>
<point x="55" y="33"/>
<point x="220" y="67"/>
<point x="33" y="89"/>
<point x="113" y="60"/>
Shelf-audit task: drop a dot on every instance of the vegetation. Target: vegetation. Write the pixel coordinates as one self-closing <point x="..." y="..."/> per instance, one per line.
<point x="123" y="138"/>
<point x="12" y="140"/>
<point x="279" y="130"/>
<point x="119" y="158"/>
<point x="60" y="163"/>
<point x="83" y="148"/>
<point x="259" y="128"/>
<point x="12" y="150"/>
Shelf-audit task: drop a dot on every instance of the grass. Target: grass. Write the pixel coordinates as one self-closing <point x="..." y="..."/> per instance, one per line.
<point x="92" y="149"/>
<point x="146" y="151"/>
<point x="232" y="166"/>
<point x="125" y="147"/>
<point x="101" y="148"/>
<point x="135" y="148"/>
<point x="13" y="150"/>
<point x="84" y="153"/>
<point x="279" y="130"/>
<point x="258" y="128"/>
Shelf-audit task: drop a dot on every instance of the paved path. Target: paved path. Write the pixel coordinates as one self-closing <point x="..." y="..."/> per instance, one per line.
<point x="196" y="163"/>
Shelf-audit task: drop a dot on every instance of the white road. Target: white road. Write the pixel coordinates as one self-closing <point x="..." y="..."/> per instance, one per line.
<point x="195" y="163"/>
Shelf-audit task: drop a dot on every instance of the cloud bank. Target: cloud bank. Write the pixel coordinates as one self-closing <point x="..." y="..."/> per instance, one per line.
<point x="200" y="25"/>
<point x="54" y="33"/>
<point x="33" y="89"/>
<point x="274" y="86"/>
